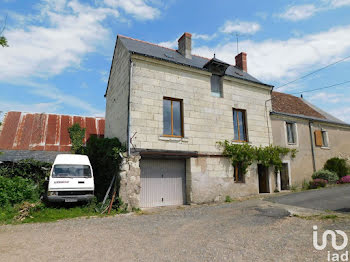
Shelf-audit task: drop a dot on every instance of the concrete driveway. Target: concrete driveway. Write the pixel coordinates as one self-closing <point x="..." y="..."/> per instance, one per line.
<point x="334" y="198"/>
<point x="252" y="230"/>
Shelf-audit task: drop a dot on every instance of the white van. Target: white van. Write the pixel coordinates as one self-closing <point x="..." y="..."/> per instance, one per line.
<point x="71" y="179"/>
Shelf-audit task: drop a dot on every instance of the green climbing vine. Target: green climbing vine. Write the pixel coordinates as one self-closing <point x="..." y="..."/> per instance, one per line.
<point x="244" y="155"/>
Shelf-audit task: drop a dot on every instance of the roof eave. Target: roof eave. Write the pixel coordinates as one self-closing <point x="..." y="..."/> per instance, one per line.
<point x="310" y="118"/>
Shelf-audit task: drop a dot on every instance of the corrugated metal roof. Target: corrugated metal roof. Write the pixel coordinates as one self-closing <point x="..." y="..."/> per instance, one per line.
<point x="44" y="132"/>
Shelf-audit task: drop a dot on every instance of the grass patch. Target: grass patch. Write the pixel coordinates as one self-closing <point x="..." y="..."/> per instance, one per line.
<point x="318" y="217"/>
<point x="41" y="213"/>
<point x="228" y="199"/>
<point x="329" y="217"/>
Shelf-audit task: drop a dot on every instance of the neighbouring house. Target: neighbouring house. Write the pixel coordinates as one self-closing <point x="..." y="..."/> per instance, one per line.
<point x="316" y="135"/>
<point x="171" y="107"/>
<point x="42" y="136"/>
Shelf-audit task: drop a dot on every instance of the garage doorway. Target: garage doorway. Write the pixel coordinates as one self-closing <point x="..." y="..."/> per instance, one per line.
<point x="284" y="174"/>
<point x="162" y="182"/>
<point x="263" y="173"/>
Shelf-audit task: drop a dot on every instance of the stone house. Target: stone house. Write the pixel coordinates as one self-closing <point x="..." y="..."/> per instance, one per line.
<point x="42" y="136"/>
<point x="317" y="135"/>
<point x="171" y="107"/>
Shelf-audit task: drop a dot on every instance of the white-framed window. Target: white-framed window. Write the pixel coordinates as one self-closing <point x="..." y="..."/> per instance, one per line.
<point x="291" y="133"/>
<point x="216" y="85"/>
<point x="324" y="138"/>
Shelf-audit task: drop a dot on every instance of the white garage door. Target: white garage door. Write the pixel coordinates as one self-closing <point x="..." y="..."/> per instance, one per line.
<point x="162" y="182"/>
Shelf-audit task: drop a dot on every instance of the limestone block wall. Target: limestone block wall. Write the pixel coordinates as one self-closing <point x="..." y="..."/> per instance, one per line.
<point x="207" y="119"/>
<point x="117" y="95"/>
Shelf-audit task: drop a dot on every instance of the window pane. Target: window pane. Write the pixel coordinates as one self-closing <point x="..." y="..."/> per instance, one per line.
<point x="167" y="117"/>
<point x="177" y="118"/>
<point x="324" y="138"/>
<point x="241" y="126"/>
<point x="235" y="125"/>
<point x="290" y="133"/>
<point x="215" y="82"/>
<point x="238" y="174"/>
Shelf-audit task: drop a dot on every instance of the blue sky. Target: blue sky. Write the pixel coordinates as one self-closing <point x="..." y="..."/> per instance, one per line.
<point x="61" y="50"/>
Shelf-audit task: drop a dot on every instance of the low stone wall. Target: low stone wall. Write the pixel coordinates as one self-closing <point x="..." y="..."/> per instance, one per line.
<point x="130" y="183"/>
<point x="212" y="180"/>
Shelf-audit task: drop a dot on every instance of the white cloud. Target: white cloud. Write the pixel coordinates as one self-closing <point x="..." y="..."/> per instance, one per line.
<point x="44" y="51"/>
<point x="342" y="113"/>
<point x="282" y="60"/>
<point x="60" y="98"/>
<point x="240" y="27"/>
<point x="326" y="97"/>
<point x="169" y="44"/>
<point x="299" y="12"/>
<point x="205" y="37"/>
<point x="50" y="107"/>
<point x="339" y="3"/>
<point x="59" y="37"/>
<point x="302" y="12"/>
<point x="138" y="8"/>
<point x="174" y="43"/>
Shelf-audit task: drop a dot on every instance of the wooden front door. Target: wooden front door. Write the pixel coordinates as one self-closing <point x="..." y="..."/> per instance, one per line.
<point x="263" y="173"/>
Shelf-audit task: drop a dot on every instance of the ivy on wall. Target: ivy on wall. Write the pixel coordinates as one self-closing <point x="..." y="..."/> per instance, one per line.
<point x="245" y="154"/>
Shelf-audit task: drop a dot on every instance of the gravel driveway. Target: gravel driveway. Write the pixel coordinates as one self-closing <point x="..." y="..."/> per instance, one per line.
<point x="252" y="230"/>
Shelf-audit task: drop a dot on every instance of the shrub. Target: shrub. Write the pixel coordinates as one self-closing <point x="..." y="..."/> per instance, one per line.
<point x="337" y="165"/>
<point x="101" y="152"/>
<point x="28" y="169"/>
<point x="345" y="179"/>
<point x="16" y="190"/>
<point x="318" y="182"/>
<point x="330" y="176"/>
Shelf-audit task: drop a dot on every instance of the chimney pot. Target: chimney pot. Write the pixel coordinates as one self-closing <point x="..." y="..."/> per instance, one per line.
<point x="185" y="45"/>
<point x="241" y="61"/>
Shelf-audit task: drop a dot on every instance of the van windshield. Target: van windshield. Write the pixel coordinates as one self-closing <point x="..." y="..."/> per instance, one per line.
<point x="71" y="171"/>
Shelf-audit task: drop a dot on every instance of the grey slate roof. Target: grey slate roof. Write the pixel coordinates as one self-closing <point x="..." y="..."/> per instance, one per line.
<point x="171" y="55"/>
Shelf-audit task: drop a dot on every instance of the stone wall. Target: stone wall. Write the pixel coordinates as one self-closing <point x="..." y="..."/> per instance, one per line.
<point x="207" y="119"/>
<point x="130" y="183"/>
<point x="116" y="124"/>
<point x="212" y="179"/>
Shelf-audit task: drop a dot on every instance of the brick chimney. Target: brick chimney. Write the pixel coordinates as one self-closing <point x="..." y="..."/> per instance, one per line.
<point x="185" y="43"/>
<point x="241" y="61"/>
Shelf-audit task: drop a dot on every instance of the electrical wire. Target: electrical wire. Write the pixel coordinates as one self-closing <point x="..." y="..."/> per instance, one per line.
<point x="313" y="72"/>
<point x="325" y="87"/>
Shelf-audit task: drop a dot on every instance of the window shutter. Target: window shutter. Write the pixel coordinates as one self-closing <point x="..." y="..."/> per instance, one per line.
<point x="318" y="138"/>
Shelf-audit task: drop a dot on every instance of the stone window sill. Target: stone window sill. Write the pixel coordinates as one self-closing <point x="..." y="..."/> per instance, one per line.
<point x="325" y="147"/>
<point x="173" y="139"/>
<point x="240" y="142"/>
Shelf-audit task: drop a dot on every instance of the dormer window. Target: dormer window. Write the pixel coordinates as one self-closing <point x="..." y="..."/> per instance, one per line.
<point x="216" y="85"/>
<point x="218" y="69"/>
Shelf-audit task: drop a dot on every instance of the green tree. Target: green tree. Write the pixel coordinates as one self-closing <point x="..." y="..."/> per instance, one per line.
<point x="77" y="134"/>
<point x="3" y="40"/>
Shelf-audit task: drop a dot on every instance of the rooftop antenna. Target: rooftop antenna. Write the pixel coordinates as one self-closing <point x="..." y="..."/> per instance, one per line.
<point x="214" y="55"/>
<point x="237" y="41"/>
